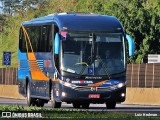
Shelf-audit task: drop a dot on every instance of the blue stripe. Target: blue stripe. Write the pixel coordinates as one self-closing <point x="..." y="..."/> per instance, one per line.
<point x="24" y="65"/>
<point x="40" y="64"/>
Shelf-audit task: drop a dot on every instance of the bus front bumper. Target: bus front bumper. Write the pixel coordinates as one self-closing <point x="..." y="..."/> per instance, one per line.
<point x="92" y="96"/>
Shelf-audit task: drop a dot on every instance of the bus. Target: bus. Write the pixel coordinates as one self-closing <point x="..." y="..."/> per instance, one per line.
<point x="62" y="58"/>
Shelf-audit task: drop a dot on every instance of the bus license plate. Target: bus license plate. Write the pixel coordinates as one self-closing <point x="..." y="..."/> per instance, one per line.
<point x="94" y="96"/>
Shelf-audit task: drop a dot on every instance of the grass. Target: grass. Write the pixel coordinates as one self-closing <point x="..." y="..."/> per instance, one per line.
<point x="76" y="114"/>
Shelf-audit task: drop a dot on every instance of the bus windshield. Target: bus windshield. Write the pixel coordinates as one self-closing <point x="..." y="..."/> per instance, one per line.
<point x="88" y="54"/>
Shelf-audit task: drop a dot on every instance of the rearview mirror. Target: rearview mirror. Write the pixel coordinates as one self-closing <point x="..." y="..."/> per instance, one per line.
<point x="130" y="44"/>
<point x="57" y="44"/>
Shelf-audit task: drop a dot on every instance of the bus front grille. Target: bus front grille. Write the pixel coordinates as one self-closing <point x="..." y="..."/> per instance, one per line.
<point x="110" y="88"/>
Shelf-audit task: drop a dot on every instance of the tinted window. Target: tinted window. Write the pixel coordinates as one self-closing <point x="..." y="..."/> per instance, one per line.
<point x="22" y="42"/>
<point x="40" y="39"/>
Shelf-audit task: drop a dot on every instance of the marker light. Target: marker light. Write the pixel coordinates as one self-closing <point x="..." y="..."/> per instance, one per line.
<point x="57" y="93"/>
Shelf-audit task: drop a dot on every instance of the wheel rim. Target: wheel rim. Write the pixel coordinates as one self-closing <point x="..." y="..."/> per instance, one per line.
<point x="28" y="96"/>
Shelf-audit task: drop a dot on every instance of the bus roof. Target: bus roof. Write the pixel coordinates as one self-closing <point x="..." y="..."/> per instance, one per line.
<point x="80" y="22"/>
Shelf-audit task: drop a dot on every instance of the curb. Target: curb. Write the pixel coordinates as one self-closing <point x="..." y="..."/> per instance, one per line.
<point x="143" y="96"/>
<point x="10" y="91"/>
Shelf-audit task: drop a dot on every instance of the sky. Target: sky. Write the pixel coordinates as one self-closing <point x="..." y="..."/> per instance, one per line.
<point x="0" y="7"/>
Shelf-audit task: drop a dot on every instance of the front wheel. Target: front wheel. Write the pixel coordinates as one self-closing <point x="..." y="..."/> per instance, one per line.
<point x="110" y="105"/>
<point x="85" y="105"/>
<point x="56" y="104"/>
<point x="76" y="105"/>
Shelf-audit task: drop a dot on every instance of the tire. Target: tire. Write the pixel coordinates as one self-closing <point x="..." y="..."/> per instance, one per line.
<point x="85" y="105"/>
<point x="76" y="105"/>
<point x="30" y="101"/>
<point x="110" y="105"/>
<point x="39" y="103"/>
<point x="56" y="104"/>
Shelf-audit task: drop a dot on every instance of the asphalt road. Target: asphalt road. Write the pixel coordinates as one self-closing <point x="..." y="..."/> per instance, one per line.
<point x="135" y="109"/>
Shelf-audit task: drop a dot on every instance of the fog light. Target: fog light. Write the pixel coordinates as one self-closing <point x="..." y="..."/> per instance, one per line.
<point x="63" y="94"/>
<point x="123" y="94"/>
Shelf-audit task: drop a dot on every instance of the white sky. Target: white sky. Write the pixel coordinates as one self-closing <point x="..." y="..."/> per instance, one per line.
<point x="0" y="7"/>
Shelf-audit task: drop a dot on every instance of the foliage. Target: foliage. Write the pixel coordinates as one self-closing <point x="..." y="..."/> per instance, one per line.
<point x="140" y="18"/>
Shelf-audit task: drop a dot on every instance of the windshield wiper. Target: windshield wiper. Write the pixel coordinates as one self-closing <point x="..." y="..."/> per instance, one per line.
<point x="105" y="68"/>
<point x="84" y="67"/>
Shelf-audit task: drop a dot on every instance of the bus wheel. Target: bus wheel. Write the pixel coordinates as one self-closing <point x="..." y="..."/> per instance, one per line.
<point x="76" y="105"/>
<point x="110" y="105"/>
<point x="56" y="104"/>
<point x="39" y="103"/>
<point x="85" y="105"/>
<point x="30" y="101"/>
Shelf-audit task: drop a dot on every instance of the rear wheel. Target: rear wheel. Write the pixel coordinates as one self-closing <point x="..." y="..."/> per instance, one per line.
<point x="110" y="105"/>
<point x="30" y="101"/>
<point x="76" y="105"/>
<point x="39" y="103"/>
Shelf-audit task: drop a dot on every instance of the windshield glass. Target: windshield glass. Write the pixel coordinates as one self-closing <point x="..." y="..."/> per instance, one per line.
<point x="93" y="54"/>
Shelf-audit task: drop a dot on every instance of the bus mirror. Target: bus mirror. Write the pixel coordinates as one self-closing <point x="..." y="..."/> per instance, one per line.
<point x="130" y="44"/>
<point x="56" y="44"/>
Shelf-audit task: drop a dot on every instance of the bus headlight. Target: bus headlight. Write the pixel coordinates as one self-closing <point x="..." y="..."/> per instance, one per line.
<point x="67" y="84"/>
<point x="63" y="94"/>
<point x="120" y="85"/>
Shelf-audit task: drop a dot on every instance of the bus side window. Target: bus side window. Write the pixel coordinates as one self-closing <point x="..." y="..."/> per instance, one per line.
<point x="31" y="34"/>
<point x="22" y="42"/>
<point x="46" y="39"/>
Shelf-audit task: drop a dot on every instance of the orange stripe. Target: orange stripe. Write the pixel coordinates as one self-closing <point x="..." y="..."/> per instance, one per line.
<point x="98" y="84"/>
<point x="27" y="37"/>
<point x="38" y="75"/>
<point x="31" y="56"/>
<point x="36" y="72"/>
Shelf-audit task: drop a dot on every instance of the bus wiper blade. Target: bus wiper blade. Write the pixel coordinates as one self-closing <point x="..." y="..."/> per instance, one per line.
<point x="84" y="66"/>
<point x="105" y="68"/>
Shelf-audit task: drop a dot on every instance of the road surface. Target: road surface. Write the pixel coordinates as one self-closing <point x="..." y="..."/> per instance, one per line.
<point x="135" y="109"/>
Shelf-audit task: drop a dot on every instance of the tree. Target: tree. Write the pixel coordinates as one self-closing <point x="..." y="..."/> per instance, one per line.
<point x="20" y="7"/>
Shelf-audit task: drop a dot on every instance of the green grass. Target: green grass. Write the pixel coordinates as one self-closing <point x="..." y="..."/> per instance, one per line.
<point x="76" y="114"/>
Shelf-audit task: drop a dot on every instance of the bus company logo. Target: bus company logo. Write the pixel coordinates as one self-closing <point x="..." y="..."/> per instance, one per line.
<point x="93" y="88"/>
<point x="82" y="82"/>
<point x="21" y="115"/>
<point x="6" y="114"/>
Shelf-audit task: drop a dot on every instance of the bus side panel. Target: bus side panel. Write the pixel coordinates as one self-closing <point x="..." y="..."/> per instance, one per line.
<point x="41" y="69"/>
<point x="23" y="72"/>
